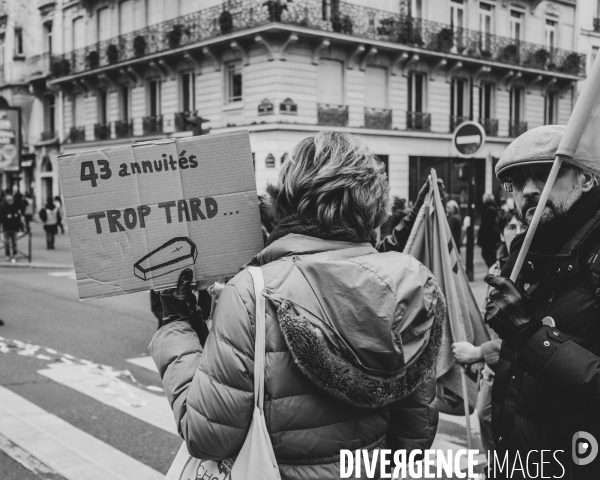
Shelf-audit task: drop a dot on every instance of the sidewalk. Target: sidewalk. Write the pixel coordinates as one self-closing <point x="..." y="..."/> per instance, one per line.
<point x="60" y="258"/>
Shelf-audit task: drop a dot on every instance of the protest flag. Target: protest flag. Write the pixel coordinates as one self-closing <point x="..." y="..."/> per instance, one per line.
<point x="579" y="145"/>
<point x="432" y="244"/>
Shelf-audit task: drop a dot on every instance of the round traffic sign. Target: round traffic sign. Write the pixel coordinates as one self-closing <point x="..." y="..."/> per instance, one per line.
<point x="468" y="139"/>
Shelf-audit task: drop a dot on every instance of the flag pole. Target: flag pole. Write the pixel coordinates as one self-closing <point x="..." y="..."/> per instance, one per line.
<point x="463" y="376"/>
<point x="536" y="217"/>
<point x="463" y="373"/>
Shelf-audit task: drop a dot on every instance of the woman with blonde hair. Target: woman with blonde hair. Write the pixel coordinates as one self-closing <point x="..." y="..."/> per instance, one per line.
<point x="352" y="334"/>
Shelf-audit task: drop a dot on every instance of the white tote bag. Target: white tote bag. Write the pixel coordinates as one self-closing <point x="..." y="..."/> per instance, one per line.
<point x="256" y="459"/>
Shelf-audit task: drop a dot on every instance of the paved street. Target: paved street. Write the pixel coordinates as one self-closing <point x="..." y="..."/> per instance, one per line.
<point x="79" y="397"/>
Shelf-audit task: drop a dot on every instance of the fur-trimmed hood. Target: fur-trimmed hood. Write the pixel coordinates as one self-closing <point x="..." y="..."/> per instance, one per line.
<point x="364" y="326"/>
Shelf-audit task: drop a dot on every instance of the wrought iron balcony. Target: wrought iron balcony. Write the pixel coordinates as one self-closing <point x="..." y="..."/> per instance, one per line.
<point x="517" y="128"/>
<point x="48" y="135"/>
<point x="380" y="118"/>
<point x="124" y="128"/>
<point x="352" y="20"/>
<point x="101" y="131"/>
<point x="418" y="121"/>
<point x="596" y="24"/>
<point x="152" y="124"/>
<point x="186" y="121"/>
<point x="39" y="65"/>
<point x="490" y="125"/>
<point x="456" y="120"/>
<point x="332" y="115"/>
<point x="77" y="134"/>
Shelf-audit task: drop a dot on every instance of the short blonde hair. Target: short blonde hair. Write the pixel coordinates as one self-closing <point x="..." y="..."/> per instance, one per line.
<point x="334" y="181"/>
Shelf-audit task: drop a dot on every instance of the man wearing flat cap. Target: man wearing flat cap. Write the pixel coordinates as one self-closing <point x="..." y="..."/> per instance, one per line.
<point x="547" y="385"/>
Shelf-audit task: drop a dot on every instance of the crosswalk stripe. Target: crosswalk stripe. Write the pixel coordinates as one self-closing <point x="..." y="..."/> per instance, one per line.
<point x="138" y="403"/>
<point x="41" y="471"/>
<point x="68" y="273"/>
<point x="145" y="362"/>
<point x="64" y="448"/>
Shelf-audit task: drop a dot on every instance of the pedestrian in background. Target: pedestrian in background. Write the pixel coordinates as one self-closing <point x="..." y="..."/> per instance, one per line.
<point x="510" y="226"/>
<point x="50" y="216"/>
<point x="12" y="223"/>
<point x="339" y="373"/>
<point x="28" y="209"/>
<point x="488" y="236"/>
<point x="61" y="213"/>
<point x="455" y="222"/>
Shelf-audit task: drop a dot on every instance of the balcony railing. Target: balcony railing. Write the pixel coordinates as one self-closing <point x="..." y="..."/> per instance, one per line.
<point x="596" y="24"/>
<point x="77" y="134"/>
<point x="517" y="128"/>
<point x="124" y="128"/>
<point x="186" y="121"/>
<point x="39" y="65"/>
<point x="332" y="115"/>
<point x="490" y="125"/>
<point x="48" y="135"/>
<point x="380" y="118"/>
<point x="456" y="120"/>
<point x="418" y="121"/>
<point x="101" y="131"/>
<point x="152" y="124"/>
<point x="352" y="20"/>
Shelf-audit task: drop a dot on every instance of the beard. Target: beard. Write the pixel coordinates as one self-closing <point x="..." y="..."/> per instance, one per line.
<point x="554" y="209"/>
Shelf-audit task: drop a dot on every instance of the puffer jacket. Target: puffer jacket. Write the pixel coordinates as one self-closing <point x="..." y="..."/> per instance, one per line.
<point x="352" y="339"/>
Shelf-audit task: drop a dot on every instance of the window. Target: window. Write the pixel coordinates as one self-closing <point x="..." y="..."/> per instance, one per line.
<point x="103" y="24"/>
<point x="78" y="33"/>
<point x="102" y="107"/>
<point x="486" y="18"/>
<point x="188" y="92"/>
<point x="50" y="114"/>
<point x="154" y="100"/>
<point x="516" y="25"/>
<point x="154" y="11"/>
<point x="2" y="53"/>
<point x="551" y="108"/>
<point x="416" y="9"/>
<point x="458" y="97"/>
<point x="234" y="82"/>
<point x="330" y="9"/>
<point x="376" y="81"/>
<point x="385" y="159"/>
<point x="124" y="102"/>
<point x="415" y="92"/>
<point x="594" y="53"/>
<point x="550" y="34"/>
<point x="48" y="36"/>
<point x="457" y="13"/>
<point x="78" y="110"/>
<point x="486" y="99"/>
<point x="125" y="17"/>
<point x="516" y="105"/>
<point x="19" y="42"/>
<point x="331" y="82"/>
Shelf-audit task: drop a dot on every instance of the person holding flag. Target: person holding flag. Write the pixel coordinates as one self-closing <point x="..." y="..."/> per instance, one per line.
<point x="547" y="384"/>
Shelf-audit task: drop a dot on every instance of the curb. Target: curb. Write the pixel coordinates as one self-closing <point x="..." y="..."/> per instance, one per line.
<point x="47" y="266"/>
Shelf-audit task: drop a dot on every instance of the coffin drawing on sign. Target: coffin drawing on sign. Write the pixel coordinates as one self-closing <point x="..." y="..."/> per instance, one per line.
<point x="176" y="254"/>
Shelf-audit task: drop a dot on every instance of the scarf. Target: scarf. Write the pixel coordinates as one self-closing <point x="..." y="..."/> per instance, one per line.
<point x="339" y="231"/>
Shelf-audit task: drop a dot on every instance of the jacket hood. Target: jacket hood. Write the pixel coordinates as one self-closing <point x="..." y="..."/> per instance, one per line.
<point x="364" y="326"/>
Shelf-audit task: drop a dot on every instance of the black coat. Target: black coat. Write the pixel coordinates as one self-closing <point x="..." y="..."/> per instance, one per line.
<point x="10" y="218"/>
<point x="551" y="390"/>
<point x="489" y="234"/>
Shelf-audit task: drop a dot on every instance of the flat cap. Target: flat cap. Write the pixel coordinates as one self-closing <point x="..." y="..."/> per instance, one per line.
<point x="537" y="145"/>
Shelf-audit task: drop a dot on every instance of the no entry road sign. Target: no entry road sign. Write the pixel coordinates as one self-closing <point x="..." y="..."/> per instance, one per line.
<point x="468" y="139"/>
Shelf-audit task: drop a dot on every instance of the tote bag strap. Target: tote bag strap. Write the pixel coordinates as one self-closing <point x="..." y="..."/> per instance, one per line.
<point x="259" y="343"/>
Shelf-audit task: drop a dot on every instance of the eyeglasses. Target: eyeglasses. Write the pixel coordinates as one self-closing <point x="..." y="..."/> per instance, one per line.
<point x="517" y="182"/>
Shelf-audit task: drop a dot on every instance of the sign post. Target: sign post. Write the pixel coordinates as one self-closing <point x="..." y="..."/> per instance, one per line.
<point x="468" y="140"/>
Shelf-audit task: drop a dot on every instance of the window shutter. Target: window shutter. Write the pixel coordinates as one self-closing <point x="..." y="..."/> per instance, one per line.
<point x="331" y="82"/>
<point x="376" y="83"/>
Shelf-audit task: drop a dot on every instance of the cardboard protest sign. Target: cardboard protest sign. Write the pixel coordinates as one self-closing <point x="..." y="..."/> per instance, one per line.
<point x="140" y="214"/>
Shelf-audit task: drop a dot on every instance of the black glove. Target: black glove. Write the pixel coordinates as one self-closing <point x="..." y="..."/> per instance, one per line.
<point x="508" y="312"/>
